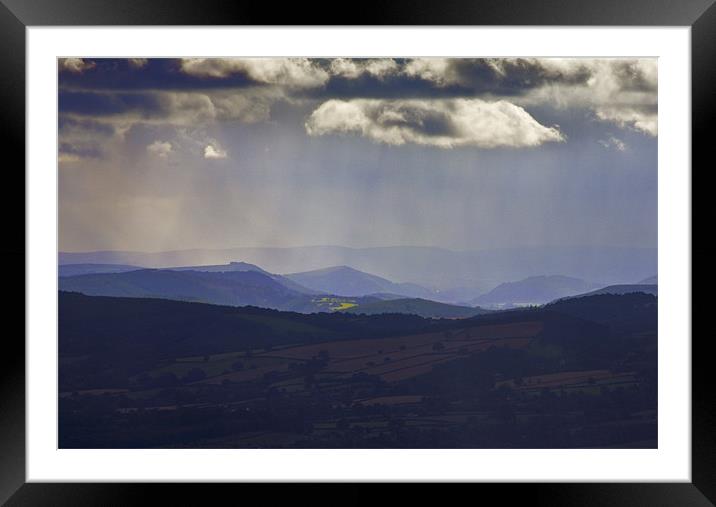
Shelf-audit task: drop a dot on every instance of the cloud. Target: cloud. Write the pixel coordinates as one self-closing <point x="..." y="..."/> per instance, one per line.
<point x="201" y="92"/>
<point x="622" y="92"/>
<point x="160" y="149"/>
<point x="83" y="139"/>
<point x="353" y="68"/>
<point x="214" y="152"/>
<point x="619" y="91"/>
<point x="498" y="76"/>
<point x="643" y="119"/>
<point x="443" y="123"/>
<point x="137" y="63"/>
<point x="170" y="108"/>
<point x="291" y="72"/>
<point x="613" y="143"/>
<point x="75" y="65"/>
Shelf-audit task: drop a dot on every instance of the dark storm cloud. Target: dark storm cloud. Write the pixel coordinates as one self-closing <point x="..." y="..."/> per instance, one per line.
<point x="155" y="74"/>
<point x="632" y="77"/>
<point x="80" y="151"/>
<point x="401" y="79"/>
<point x="104" y="104"/>
<point x="442" y="102"/>
<point x="67" y="123"/>
<point x="83" y="138"/>
<point x="455" y="78"/>
<point x="512" y="77"/>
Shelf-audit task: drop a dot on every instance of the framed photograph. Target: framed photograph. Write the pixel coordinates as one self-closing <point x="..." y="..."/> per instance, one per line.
<point x="447" y="244"/>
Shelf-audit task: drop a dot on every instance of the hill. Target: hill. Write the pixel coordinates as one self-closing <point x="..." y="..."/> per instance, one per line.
<point x="222" y="268"/>
<point x="626" y="312"/>
<point x="652" y="280"/>
<point x="623" y="289"/>
<point x="146" y="328"/>
<point x="416" y="306"/>
<point x="346" y="281"/>
<point x="137" y="373"/>
<point x="236" y="288"/>
<point x="432" y="267"/>
<point x="244" y="267"/>
<point x="535" y="290"/>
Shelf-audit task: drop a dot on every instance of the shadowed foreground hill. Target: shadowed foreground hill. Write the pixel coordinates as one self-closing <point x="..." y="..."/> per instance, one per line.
<point x="148" y="373"/>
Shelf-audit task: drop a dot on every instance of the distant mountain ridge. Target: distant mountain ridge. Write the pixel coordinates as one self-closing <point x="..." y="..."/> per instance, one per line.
<point x="535" y="290"/>
<point x="223" y="268"/>
<point x="233" y="288"/>
<point x="432" y="267"/>
<point x="347" y="281"/>
<point x="239" y="288"/>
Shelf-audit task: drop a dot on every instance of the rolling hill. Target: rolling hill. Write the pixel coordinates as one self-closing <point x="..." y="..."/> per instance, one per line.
<point x="432" y="267"/>
<point x="346" y="281"/>
<point x="235" y="288"/>
<point x="623" y="289"/>
<point x="416" y="306"/>
<point x="235" y="266"/>
<point x="223" y="268"/>
<point x="140" y="373"/>
<point x="535" y="290"/>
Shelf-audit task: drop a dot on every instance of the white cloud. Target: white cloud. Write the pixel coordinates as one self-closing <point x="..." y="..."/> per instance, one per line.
<point x="137" y="63"/>
<point x="630" y="117"/>
<point x="76" y="65"/>
<point x="431" y="69"/>
<point x="613" y="143"/>
<point x="353" y="68"/>
<point x="214" y="152"/>
<point x="443" y="123"/>
<point x="291" y="72"/>
<point x="622" y="92"/>
<point x="160" y="149"/>
<point x="619" y="91"/>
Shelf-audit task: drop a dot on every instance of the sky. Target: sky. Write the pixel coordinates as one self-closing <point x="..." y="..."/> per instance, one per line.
<point x="465" y="154"/>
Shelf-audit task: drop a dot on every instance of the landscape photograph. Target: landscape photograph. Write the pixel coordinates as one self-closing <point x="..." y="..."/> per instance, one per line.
<point x="357" y="253"/>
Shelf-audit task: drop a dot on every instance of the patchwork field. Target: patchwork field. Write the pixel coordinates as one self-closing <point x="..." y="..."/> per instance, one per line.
<point x="393" y="359"/>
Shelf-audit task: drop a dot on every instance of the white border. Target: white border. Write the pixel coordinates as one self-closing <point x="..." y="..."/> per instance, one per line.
<point x="671" y="461"/>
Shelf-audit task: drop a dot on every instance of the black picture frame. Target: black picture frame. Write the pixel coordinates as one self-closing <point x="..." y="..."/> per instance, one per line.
<point x="16" y="15"/>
